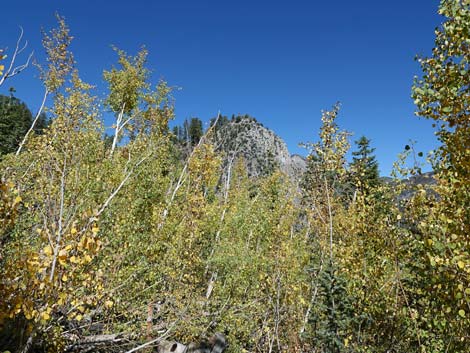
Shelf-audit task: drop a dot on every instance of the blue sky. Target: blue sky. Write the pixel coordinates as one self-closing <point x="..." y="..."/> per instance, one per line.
<point x="279" y="61"/>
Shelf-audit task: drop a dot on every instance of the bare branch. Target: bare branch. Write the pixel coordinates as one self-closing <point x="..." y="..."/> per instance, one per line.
<point x="61" y="213"/>
<point x="31" y="128"/>
<point x="12" y="69"/>
<point x="182" y="176"/>
<point x="214" y="275"/>
<point x="20" y="68"/>
<point x="330" y="218"/>
<point x="156" y="340"/>
<point x="111" y="197"/>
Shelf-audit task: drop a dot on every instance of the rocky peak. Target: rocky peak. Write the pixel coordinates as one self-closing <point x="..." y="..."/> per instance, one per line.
<point x="260" y="147"/>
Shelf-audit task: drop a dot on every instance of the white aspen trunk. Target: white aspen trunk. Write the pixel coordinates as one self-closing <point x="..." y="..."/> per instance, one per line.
<point x="46" y="93"/>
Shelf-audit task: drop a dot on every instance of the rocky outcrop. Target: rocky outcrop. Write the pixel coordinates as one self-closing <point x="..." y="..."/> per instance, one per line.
<point x="261" y="149"/>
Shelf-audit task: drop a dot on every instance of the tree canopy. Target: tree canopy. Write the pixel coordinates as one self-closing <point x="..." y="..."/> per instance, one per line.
<point x="115" y="243"/>
<point x="15" y="120"/>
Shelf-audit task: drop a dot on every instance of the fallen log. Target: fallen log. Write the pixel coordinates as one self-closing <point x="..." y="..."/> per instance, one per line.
<point x="95" y="342"/>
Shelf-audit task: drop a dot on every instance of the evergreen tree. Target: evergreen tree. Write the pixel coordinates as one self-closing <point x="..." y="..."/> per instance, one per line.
<point x="334" y="316"/>
<point x="15" y="120"/>
<point x="108" y="141"/>
<point x="176" y="132"/>
<point x="364" y="167"/>
<point x="221" y="122"/>
<point x="269" y="164"/>
<point x="195" y="131"/>
<point x="185" y="132"/>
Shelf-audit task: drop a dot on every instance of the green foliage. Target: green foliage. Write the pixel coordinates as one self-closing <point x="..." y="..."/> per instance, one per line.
<point x="221" y="120"/>
<point x="330" y="314"/>
<point x="441" y="223"/>
<point x="195" y="131"/>
<point x="364" y="166"/>
<point x="60" y="60"/>
<point x="9" y="204"/>
<point x="15" y="120"/>
<point x="126" y="83"/>
<point x="123" y="235"/>
<point x="333" y="317"/>
<point x="260" y="260"/>
<point x="188" y="135"/>
<point x="326" y="161"/>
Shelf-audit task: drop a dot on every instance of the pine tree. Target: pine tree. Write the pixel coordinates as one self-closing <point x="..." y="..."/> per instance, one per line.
<point x="333" y="316"/>
<point x="195" y="131"/>
<point x="15" y="120"/>
<point x="222" y="120"/>
<point x="364" y="167"/>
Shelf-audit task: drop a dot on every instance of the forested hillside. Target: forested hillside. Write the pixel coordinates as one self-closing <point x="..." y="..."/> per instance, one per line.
<point x="124" y="241"/>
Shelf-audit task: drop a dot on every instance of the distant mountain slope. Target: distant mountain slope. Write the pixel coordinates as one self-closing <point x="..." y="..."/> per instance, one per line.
<point x="428" y="180"/>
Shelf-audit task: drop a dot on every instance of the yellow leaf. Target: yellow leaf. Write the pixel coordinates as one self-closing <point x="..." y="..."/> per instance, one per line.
<point x="45" y="316"/>
<point x="18" y="199"/>
<point x="73" y="231"/>
<point x="47" y="250"/>
<point x="64" y="277"/>
<point x="95" y="230"/>
<point x="82" y="243"/>
<point x="79" y="317"/>
<point x="461" y="264"/>
<point x="462" y="313"/>
<point x="108" y="303"/>
<point x="62" y="254"/>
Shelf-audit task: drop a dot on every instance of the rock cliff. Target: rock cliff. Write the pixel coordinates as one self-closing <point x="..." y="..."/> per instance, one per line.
<point x="260" y="147"/>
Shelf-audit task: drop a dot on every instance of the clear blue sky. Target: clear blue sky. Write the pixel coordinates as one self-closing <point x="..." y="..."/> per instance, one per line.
<point x="279" y="61"/>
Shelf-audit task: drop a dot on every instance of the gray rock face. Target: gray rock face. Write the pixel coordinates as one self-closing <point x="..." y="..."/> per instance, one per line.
<point x="260" y="147"/>
<point x="296" y="166"/>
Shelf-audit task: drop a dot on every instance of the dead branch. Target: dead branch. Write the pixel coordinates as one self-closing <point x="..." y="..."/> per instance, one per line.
<point x="90" y="343"/>
<point x="12" y="69"/>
